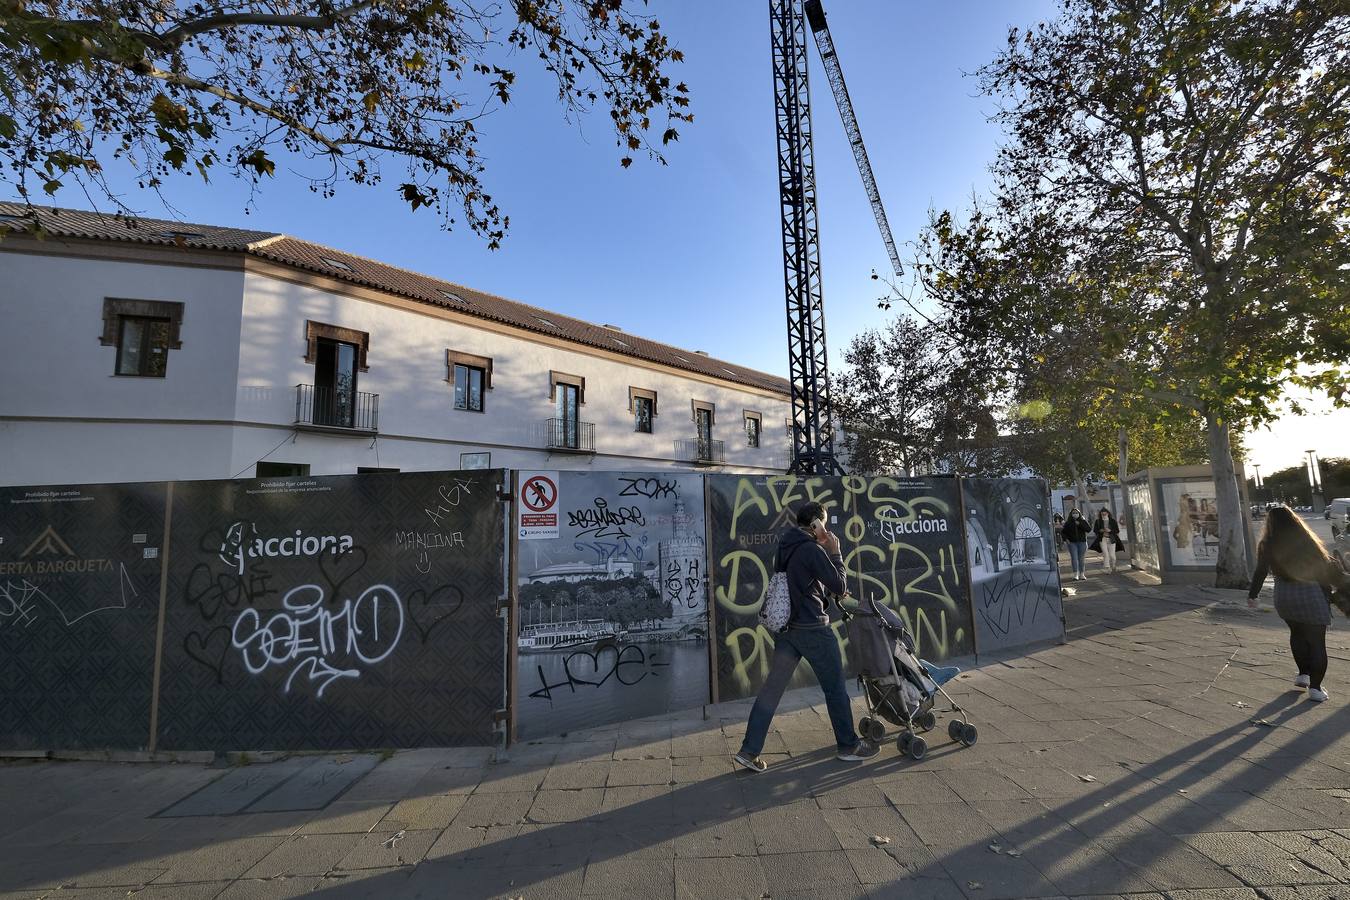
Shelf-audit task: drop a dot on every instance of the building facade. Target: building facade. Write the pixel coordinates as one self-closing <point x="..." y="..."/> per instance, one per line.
<point x="167" y="351"/>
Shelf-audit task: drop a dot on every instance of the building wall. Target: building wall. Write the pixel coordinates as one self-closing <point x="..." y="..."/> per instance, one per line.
<point x="229" y="397"/>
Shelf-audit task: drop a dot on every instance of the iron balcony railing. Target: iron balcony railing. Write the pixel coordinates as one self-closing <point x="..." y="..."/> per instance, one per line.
<point x="569" y="434"/>
<point x="331" y="408"/>
<point x="701" y="450"/>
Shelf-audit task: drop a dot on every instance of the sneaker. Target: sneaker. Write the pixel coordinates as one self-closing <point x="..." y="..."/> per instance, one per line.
<point x="861" y="750"/>
<point x="1301" y="681"/>
<point x="1317" y="695"/>
<point x="746" y="761"/>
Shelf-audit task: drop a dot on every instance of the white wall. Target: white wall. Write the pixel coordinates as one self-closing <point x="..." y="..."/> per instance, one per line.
<point x="407" y="368"/>
<point x="51" y="361"/>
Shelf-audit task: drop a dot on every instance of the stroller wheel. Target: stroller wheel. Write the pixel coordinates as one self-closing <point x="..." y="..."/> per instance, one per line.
<point x="864" y="726"/>
<point x="969" y="735"/>
<point x="876" y="730"/>
<point x="918" y="748"/>
<point x="926" y="722"/>
<point x="955" y="728"/>
<point x="903" y="741"/>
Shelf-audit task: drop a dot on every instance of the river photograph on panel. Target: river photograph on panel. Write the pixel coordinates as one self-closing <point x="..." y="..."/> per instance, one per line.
<point x="613" y="612"/>
<point x="1014" y="579"/>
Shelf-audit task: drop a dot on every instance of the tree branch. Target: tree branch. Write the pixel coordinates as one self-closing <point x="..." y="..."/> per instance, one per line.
<point x="177" y="35"/>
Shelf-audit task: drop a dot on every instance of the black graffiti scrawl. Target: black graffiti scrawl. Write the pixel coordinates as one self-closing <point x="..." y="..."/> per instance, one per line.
<point x="1014" y="579"/>
<point x="902" y="544"/>
<point x="79" y="597"/>
<point x="334" y="612"/>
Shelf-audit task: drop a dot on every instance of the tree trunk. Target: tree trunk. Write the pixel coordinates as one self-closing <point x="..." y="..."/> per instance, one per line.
<point x="1231" y="569"/>
<point x="1122" y="468"/>
<point x="1079" y="485"/>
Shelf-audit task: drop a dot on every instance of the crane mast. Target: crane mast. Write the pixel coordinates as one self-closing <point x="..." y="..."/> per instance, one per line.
<point x="808" y="369"/>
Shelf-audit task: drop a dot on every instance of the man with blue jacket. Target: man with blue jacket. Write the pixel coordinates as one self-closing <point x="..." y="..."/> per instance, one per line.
<point x="810" y="556"/>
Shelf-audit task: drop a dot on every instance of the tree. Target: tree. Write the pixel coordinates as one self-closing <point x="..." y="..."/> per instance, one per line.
<point x="1200" y="148"/>
<point x="184" y="87"/>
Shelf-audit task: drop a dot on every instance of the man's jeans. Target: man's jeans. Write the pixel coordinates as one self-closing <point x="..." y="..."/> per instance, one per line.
<point x="820" y="649"/>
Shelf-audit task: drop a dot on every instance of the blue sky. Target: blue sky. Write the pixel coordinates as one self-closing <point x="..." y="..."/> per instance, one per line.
<point x="690" y="253"/>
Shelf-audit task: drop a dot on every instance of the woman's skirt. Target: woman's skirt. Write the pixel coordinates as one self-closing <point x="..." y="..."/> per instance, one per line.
<point x="1301" y="601"/>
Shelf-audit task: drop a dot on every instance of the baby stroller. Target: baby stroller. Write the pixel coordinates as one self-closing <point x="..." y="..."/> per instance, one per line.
<point x="897" y="686"/>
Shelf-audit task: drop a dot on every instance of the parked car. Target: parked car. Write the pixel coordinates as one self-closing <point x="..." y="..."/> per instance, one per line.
<point x="1338" y="510"/>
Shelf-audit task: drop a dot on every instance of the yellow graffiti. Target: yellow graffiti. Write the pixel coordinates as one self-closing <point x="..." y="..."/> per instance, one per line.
<point x="738" y="506"/>
<point x="727" y="598"/>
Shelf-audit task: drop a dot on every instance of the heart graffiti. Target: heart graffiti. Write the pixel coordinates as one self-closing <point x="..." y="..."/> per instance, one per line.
<point x="203" y="649"/>
<point x="428" y="610"/>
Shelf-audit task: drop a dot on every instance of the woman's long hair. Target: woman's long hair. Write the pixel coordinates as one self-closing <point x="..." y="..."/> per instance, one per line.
<point x="1292" y="550"/>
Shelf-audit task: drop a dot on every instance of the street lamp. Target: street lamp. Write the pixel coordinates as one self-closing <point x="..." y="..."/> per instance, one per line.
<point x="1314" y="481"/>
<point x="1256" y="467"/>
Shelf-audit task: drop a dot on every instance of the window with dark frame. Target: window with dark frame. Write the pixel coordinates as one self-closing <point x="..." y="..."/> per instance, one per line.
<point x="642" y="414"/>
<point x="279" y="469"/>
<point x="752" y="426"/>
<point x="143" y="346"/>
<point x="469" y="381"/>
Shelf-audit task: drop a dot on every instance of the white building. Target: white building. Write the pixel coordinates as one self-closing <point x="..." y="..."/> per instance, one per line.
<point x="171" y="351"/>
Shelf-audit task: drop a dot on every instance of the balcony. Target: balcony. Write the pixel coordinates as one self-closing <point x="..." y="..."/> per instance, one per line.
<point x="701" y="451"/>
<point x="338" y="412"/>
<point x="568" y="436"/>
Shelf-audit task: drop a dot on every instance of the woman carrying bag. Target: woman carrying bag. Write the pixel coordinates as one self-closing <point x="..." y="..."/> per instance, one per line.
<point x="1106" y="540"/>
<point x="1076" y="531"/>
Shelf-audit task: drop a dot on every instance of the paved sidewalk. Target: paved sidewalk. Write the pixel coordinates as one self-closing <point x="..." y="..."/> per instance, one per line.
<point x="1159" y="753"/>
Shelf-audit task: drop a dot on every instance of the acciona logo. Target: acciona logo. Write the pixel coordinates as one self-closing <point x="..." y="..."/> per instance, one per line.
<point x="243" y="541"/>
<point x="919" y="526"/>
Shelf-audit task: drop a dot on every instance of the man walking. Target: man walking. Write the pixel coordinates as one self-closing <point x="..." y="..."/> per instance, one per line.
<point x="809" y="554"/>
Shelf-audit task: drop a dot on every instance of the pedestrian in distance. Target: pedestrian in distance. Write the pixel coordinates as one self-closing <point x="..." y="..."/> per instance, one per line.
<point x="1303" y="583"/>
<point x="809" y="555"/>
<point x="1076" y="531"/>
<point x="1106" y="538"/>
<point x="1059" y="534"/>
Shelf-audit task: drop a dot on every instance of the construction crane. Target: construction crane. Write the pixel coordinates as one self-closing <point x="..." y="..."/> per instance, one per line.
<point x="808" y="368"/>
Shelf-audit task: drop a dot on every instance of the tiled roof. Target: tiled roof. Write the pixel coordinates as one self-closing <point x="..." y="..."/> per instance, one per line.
<point x="371" y="273"/>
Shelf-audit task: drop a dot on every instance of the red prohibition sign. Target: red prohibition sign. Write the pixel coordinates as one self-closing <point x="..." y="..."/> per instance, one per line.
<point x="539" y="493"/>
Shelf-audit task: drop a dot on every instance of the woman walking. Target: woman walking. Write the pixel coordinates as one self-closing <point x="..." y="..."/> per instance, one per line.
<point x="1302" y="569"/>
<point x="1106" y="540"/>
<point x="1075" y="531"/>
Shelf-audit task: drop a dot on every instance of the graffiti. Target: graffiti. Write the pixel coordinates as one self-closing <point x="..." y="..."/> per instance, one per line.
<point x="326" y="644"/>
<point x="423" y="543"/>
<point x="896" y="538"/>
<point x="627" y="666"/>
<point x="601" y="521"/>
<point x="448" y="496"/>
<point x="607" y="550"/>
<point x="19" y="601"/>
<point x="651" y="488"/>
<point x="684" y="582"/>
<point x="1013" y="601"/>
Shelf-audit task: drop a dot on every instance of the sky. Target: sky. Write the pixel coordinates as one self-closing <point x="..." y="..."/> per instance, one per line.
<point x="690" y="253"/>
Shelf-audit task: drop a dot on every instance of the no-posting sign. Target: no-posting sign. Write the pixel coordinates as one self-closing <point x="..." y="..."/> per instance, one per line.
<point x="537" y="517"/>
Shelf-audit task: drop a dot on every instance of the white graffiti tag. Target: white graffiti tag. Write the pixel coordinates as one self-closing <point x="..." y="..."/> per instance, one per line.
<point x="326" y="642"/>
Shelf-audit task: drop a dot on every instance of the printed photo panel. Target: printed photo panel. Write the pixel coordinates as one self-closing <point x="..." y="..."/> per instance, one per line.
<point x="351" y="611"/>
<point x="1014" y="574"/>
<point x="611" y="575"/>
<point x="79" y="599"/>
<point x="902" y="544"/>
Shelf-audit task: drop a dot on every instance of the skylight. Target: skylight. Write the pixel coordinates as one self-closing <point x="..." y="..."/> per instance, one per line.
<point x="681" y="358"/>
<point x="337" y="263"/>
<point x="545" y="321"/>
<point x="13" y="220"/>
<point x="186" y="235"/>
<point x="619" y="342"/>
<point x="729" y="372"/>
<point x="452" y="296"/>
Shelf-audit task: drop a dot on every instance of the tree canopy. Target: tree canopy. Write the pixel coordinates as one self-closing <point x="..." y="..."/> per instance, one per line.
<point x="1171" y="195"/>
<point x="360" y="86"/>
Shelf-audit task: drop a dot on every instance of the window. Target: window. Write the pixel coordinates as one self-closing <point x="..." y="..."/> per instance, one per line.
<point x="642" y="415"/>
<point x="753" y="425"/>
<point x="335" y="383"/>
<point x="143" y="331"/>
<point x="280" y="469"/>
<point x="703" y="426"/>
<point x="469" y="388"/>
<point x="475" y="460"/>
<point x="373" y="470"/>
<point x="452" y="296"/>
<point x="470" y="376"/>
<point x="642" y="404"/>
<point x="566" y="414"/>
<point x="142" y="346"/>
<point x="336" y="263"/>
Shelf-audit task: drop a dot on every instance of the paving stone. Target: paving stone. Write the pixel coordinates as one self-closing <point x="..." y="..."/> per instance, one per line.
<point x="304" y="854"/>
<point x="715" y="839"/>
<point x="510" y="778"/>
<point x="715" y="879"/>
<point x="611" y="878"/>
<point x="793" y="828"/>
<point x="494" y="809"/>
<point x="575" y="775"/>
<point x="422" y="812"/>
<point x="808" y="873"/>
<point x="347" y="817"/>
<point x="631" y="772"/>
<point x="227" y="859"/>
<point x="566" y="806"/>
<point x="389" y="850"/>
<point x="909" y="788"/>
